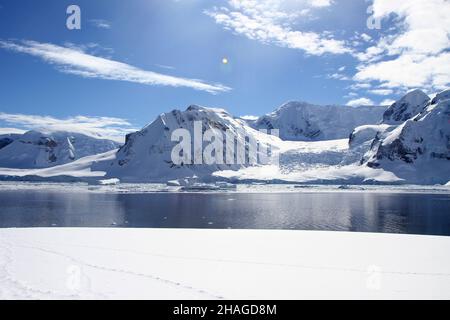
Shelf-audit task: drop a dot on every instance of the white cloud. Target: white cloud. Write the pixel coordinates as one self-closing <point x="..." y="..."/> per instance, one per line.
<point x="105" y="127"/>
<point x="360" y="102"/>
<point x="417" y="53"/>
<point x="269" y="21"/>
<point x="365" y="37"/>
<point x="382" y="92"/>
<point x="409" y="71"/>
<point x="320" y="3"/>
<point x="351" y="95"/>
<point x="75" y="61"/>
<point x="387" y="102"/>
<point x="426" y="24"/>
<point x="249" y="117"/>
<point x="100" y="23"/>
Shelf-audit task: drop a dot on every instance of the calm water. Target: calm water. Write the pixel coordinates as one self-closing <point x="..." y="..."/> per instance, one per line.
<point x="370" y="212"/>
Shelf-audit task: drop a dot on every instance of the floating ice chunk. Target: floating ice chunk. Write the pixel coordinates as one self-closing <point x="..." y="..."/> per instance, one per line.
<point x="108" y="182"/>
<point x="225" y="185"/>
<point x="197" y="186"/>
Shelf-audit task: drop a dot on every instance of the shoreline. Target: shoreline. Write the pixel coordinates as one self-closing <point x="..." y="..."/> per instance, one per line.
<point x="151" y="188"/>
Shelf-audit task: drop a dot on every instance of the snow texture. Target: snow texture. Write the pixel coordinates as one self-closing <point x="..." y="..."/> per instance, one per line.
<point x="220" y="264"/>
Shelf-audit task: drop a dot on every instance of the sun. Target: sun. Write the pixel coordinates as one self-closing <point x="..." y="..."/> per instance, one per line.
<point x="225" y="61"/>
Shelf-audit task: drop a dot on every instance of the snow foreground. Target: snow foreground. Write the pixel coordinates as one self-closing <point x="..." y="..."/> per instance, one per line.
<point x="220" y="264"/>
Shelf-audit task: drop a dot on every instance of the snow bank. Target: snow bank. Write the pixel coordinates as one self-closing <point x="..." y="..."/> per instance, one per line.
<point x="212" y="264"/>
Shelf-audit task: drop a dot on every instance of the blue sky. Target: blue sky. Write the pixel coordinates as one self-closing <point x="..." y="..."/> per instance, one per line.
<point x="133" y="60"/>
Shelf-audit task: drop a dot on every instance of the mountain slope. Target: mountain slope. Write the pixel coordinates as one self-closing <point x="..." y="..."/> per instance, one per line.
<point x="301" y="121"/>
<point x="35" y="149"/>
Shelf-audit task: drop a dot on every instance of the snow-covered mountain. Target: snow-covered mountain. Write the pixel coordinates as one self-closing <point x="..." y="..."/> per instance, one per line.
<point x="301" y="121"/>
<point x="418" y="149"/>
<point x="364" y="138"/>
<point x="147" y="154"/>
<point x="35" y="149"/>
<point x="409" y="144"/>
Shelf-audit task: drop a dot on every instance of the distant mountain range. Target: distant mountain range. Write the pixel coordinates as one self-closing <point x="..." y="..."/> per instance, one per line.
<point x="407" y="142"/>
<point x="34" y="149"/>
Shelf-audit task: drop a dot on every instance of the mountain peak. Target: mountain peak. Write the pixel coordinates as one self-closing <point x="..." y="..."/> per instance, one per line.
<point x="415" y="96"/>
<point x="293" y="104"/>
<point x="195" y="107"/>
<point x="411" y="104"/>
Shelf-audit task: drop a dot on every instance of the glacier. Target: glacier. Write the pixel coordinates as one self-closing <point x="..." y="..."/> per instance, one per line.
<point x="302" y="121"/>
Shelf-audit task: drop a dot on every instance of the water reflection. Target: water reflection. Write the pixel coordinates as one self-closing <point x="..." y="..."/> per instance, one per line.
<point x="368" y="212"/>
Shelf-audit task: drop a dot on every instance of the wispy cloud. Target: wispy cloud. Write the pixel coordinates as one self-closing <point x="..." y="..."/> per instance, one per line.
<point x="76" y="61"/>
<point x="360" y="102"/>
<point x="91" y="48"/>
<point x="11" y="130"/>
<point x="271" y="22"/>
<point x="103" y="127"/>
<point x="338" y="76"/>
<point x="100" y="23"/>
<point x="163" y="66"/>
